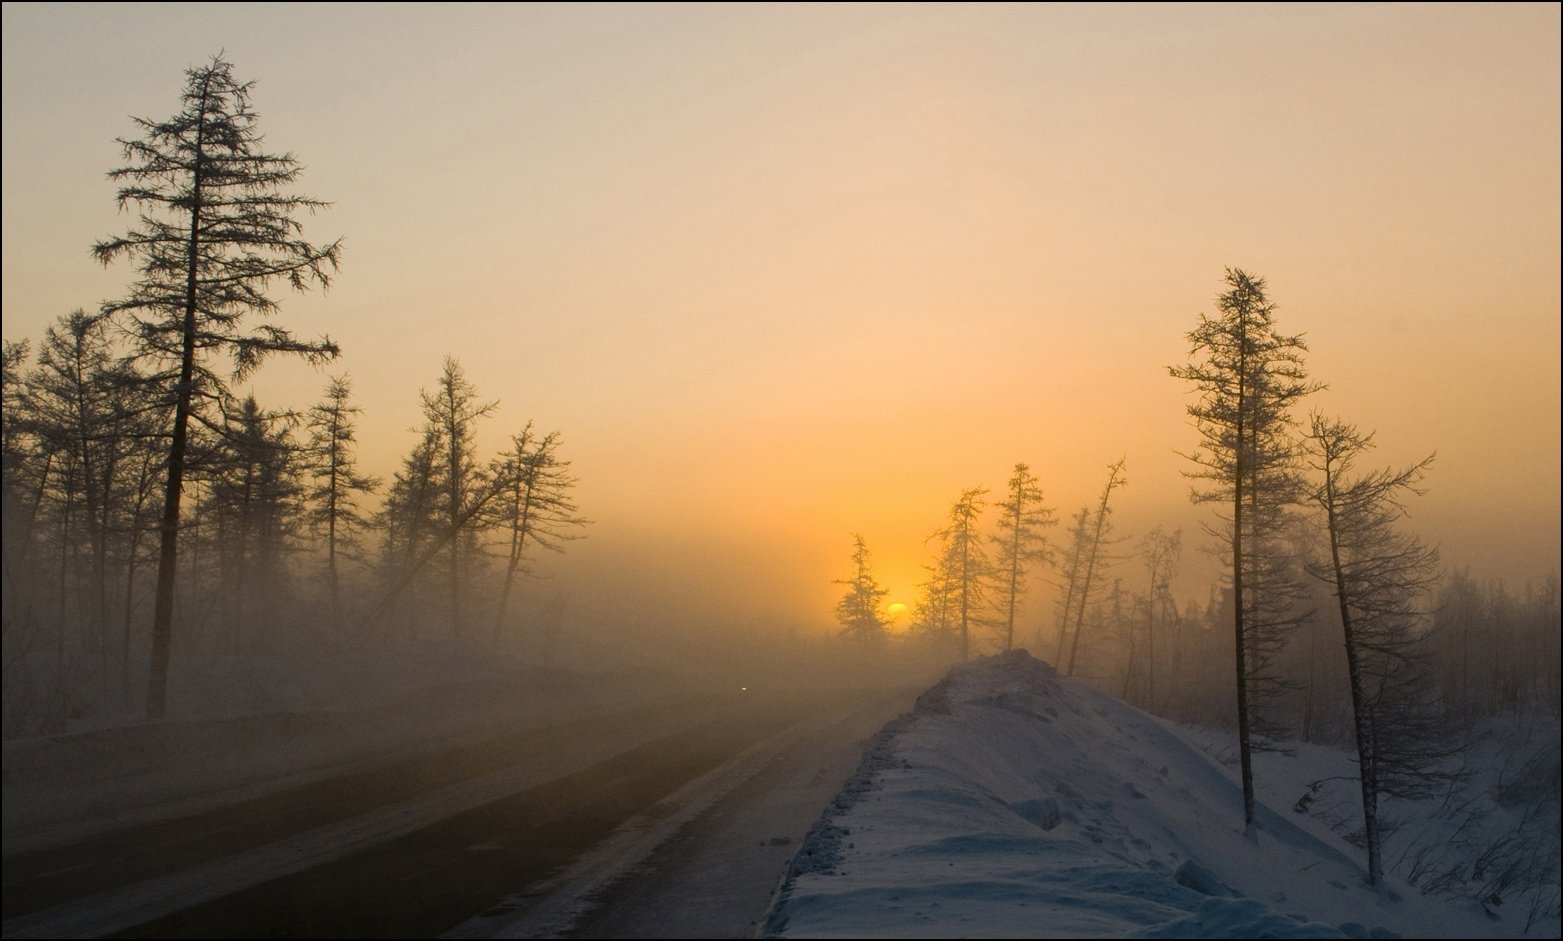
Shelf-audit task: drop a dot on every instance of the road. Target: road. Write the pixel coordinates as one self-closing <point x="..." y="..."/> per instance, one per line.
<point x="706" y="861"/>
<point x="426" y="844"/>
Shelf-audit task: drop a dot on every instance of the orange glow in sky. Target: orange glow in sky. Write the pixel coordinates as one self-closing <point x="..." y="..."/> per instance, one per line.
<point x="780" y="274"/>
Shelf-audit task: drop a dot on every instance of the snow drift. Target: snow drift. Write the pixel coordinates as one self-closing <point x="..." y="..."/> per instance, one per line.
<point x="1015" y="802"/>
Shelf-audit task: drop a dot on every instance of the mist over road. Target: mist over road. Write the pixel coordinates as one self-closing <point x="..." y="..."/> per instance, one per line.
<point x="424" y="844"/>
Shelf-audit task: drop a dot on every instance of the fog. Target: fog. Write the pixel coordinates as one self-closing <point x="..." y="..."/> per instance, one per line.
<point x="643" y="359"/>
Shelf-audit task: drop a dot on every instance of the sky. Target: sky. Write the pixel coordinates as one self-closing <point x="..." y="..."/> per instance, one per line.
<point x="780" y="274"/>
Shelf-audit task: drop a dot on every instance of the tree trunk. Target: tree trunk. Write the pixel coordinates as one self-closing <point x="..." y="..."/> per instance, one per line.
<point x="1014" y="578"/>
<point x="130" y="591"/>
<point x="1240" y="634"/>
<point x="168" y="554"/>
<point x="965" y="598"/>
<point x="395" y="591"/>
<point x="1360" y="718"/>
<point x="1069" y="597"/>
<point x="521" y="527"/>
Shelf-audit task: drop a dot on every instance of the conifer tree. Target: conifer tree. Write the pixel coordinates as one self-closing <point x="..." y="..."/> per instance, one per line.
<point x="858" y="610"/>
<point x="1248" y="376"/>
<point x="452" y="410"/>
<point x="1022" y="517"/>
<point x="336" y="484"/>
<point x="253" y="495"/>
<point x="967" y="567"/>
<point x="82" y="413"/>
<point x="216" y="230"/>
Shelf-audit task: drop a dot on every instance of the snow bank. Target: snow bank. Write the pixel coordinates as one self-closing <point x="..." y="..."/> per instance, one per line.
<point x="1013" y="802"/>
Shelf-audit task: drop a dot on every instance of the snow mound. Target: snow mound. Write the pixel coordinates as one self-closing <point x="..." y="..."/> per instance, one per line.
<point x="1014" y="802"/>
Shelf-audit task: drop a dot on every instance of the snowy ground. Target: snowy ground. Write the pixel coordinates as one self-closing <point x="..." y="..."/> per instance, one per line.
<point x="1013" y="802"/>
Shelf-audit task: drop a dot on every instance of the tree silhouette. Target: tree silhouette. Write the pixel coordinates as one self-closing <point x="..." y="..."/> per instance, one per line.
<point x="939" y="598"/>
<point x="215" y="231"/>
<point x="1248" y="376"/>
<point x="452" y="411"/>
<point x="858" y="609"/>
<point x="535" y="509"/>
<point x="1072" y="564"/>
<point x="1100" y="528"/>
<point x="966" y="568"/>
<point x="1159" y="551"/>
<point x="1022" y="517"/>
<point x="407" y="516"/>
<point x="336" y="483"/>
<point x="1379" y="574"/>
<point x="253" y="499"/>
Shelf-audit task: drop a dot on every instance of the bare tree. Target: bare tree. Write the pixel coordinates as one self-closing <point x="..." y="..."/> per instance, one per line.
<point x="1248" y="376"/>
<point x="1073" y="565"/>
<point x="1022" y="517"/>
<point x="1379" y="574"/>
<point x="535" y="509"/>
<point x="215" y="231"/>
<point x="1101" y="530"/>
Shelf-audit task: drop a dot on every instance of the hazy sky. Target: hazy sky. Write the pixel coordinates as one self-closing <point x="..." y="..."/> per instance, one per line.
<point x="784" y="273"/>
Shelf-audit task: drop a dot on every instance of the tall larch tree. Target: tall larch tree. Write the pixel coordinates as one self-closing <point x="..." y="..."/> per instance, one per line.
<point x="1248" y="376"/>
<point x="216" y="229"/>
